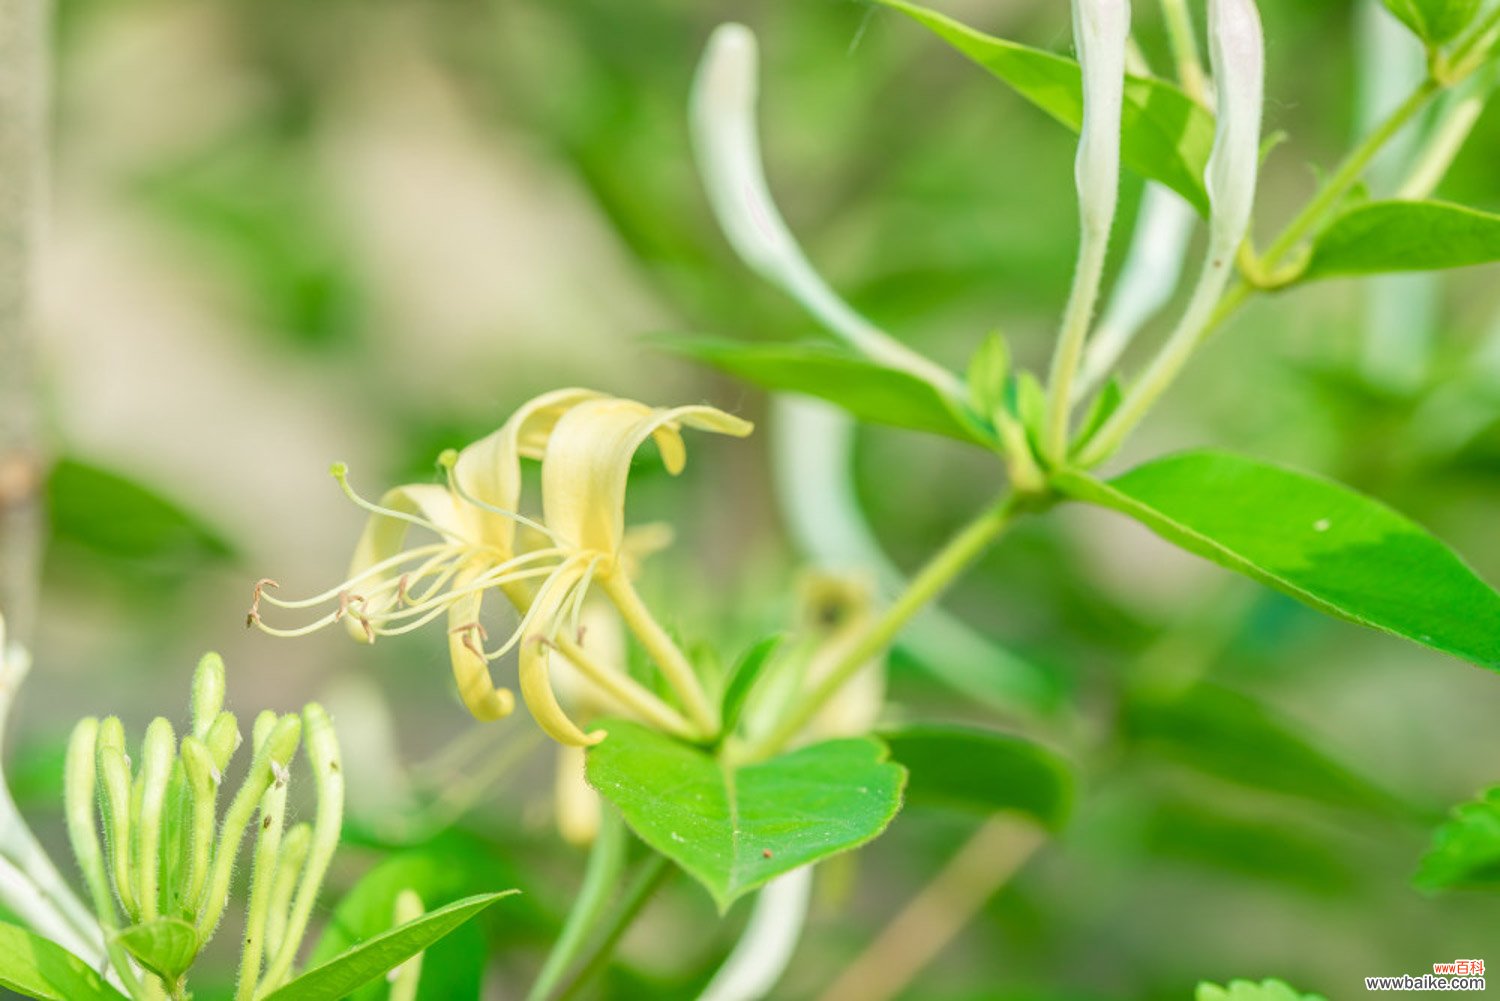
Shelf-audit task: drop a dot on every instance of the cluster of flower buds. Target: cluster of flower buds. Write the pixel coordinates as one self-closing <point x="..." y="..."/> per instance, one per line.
<point x="157" y="854"/>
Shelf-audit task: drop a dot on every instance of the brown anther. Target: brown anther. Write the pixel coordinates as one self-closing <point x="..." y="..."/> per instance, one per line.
<point x="468" y="632"/>
<point x="582" y="632"/>
<point x="347" y="600"/>
<point x="401" y="588"/>
<point x="260" y="587"/>
<point x="251" y="618"/>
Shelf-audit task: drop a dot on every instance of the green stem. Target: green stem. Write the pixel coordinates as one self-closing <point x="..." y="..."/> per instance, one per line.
<point x="605" y="862"/>
<point x="1348" y="174"/>
<point x="951" y="561"/>
<point x="652" y="874"/>
<point x="1476" y="35"/>
<point x="672" y="661"/>
<point x="1185" y="49"/>
<point x="1077" y="318"/>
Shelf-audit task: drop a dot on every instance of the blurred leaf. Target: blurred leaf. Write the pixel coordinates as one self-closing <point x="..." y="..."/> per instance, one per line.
<point x="1322" y="543"/>
<point x="108" y="515"/>
<point x="166" y="946"/>
<point x="252" y="207"/>
<point x="1382" y="237"/>
<point x="869" y="391"/>
<point x="1166" y="136"/>
<point x="454" y="967"/>
<point x="374" y="958"/>
<point x="735" y="827"/>
<point x="1257" y="849"/>
<point x="39" y="968"/>
<point x="1245" y="990"/>
<point x="1434" y="21"/>
<point x="983" y="771"/>
<point x="742" y="680"/>
<point x="1226" y="734"/>
<point x="1465" y="851"/>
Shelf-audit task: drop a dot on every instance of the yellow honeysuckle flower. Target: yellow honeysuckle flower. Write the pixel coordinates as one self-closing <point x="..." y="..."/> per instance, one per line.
<point x="586" y="442"/>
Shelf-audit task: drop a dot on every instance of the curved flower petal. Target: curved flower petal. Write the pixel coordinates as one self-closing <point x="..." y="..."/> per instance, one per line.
<point x="385" y="536"/>
<point x="470" y="668"/>
<point x="489" y="470"/>
<point x="587" y="463"/>
<point x="536" y="656"/>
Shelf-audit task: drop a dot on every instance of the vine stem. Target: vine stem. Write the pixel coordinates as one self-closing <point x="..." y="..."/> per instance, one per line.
<point x="1349" y="173"/>
<point x="649" y="879"/>
<point x="951" y="561"/>
<point x="24" y="75"/>
<point x="1170" y="361"/>
<point x="936" y="915"/>
<point x="606" y="859"/>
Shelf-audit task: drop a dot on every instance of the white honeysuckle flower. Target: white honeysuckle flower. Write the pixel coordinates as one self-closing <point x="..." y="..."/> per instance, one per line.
<point x="1149" y="276"/>
<point x="1101" y="29"/>
<point x="769" y="941"/>
<point x="1238" y="57"/>
<point x="586" y="442"/>
<point x="727" y="145"/>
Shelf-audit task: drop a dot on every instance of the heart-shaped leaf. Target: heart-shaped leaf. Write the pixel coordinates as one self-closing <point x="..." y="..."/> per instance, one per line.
<point x="871" y="392"/>
<point x="166" y="946"/>
<point x="39" y="968"/>
<point x="1165" y="135"/>
<point x="375" y="957"/>
<point x="984" y="771"/>
<point x="1322" y="543"/>
<point x="733" y="828"/>
<point x="1380" y="237"/>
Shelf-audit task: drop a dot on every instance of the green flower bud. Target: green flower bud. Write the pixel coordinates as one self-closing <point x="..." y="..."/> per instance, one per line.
<point x="208" y="693"/>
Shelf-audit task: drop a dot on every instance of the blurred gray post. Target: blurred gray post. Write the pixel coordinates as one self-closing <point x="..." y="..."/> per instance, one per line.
<point x="24" y="85"/>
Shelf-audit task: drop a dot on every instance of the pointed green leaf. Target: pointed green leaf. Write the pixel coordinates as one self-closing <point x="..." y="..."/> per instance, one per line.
<point x="1465" y="852"/>
<point x="988" y="375"/>
<point x="1379" y="237"/>
<point x="377" y="956"/>
<point x="39" y="968"/>
<point x="1223" y="733"/>
<point x="982" y="771"/>
<point x="1165" y="135"/>
<point x="166" y="946"/>
<point x="1245" y="990"/>
<point x="869" y="391"/>
<point x="1322" y="543"/>
<point x="743" y="678"/>
<point x="1434" y="21"/>
<point x="733" y="828"/>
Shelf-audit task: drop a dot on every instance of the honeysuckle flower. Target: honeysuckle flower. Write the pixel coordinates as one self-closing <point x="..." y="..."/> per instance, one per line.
<point x="586" y="442"/>
<point x="1237" y="53"/>
<point x="722" y="119"/>
<point x="1101" y="29"/>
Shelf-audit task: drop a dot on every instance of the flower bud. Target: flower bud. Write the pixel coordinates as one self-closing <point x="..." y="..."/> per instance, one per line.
<point x="1237" y="51"/>
<point x="208" y="693"/>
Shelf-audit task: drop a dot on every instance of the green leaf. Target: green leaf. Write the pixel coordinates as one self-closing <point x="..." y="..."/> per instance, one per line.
<point x="1465" y="852"/>
<point x="1434" y="21"/>
<point x="1165" y="135"/>
<point x="1338" y="551"/>
<point x="1379" y="237"/>
<point x="743" y="678"/>
<point x="982" y="771"/>
<point x="383" y="953"/>
<point x="1102" y="409"/>
<point x="1245" y="990"/>
<point x="165" y="946"/>
<point x="1223" y="733"/>
<point x="869" y="391"/>
<point x="113" y="517"/>
<point x="438" y="874"/>
<point x="988" y="375"/>
<point x="39" y="968"/>
<point x="733" y="828"/>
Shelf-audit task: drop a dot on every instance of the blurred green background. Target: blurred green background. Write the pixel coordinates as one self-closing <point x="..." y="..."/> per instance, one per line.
<point x="285" y="234"/>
